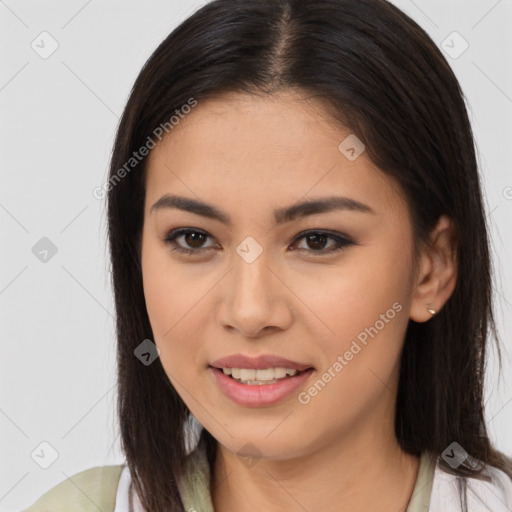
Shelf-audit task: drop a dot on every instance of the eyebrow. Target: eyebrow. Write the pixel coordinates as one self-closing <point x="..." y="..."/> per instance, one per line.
<point x="281" y="215"/>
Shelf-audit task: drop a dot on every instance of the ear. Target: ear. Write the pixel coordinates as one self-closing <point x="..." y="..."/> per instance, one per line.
<point x="437" y="271"/>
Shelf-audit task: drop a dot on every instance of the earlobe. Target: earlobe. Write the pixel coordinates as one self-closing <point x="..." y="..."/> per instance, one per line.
<point x="437" y="275"/>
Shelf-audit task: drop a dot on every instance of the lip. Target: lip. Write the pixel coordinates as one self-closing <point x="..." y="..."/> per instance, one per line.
<point x="258" y="395"/>
<point x="258" y="363"/>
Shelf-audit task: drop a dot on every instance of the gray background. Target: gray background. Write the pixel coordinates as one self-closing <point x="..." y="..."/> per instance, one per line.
<point x="59" y="115"/>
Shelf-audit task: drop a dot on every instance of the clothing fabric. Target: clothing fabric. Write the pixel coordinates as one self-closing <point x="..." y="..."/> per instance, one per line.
<point x="90" y="490"/>
<point x="492" y="494"/>
<point x="106" y="488"/>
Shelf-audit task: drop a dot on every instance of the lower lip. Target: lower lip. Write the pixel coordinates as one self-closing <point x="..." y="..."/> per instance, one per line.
<point x="258" y="395"/>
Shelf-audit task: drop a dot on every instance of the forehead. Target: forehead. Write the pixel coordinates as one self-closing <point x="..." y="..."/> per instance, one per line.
<point x="257" y="122"/>
<point x="256" y="150"/>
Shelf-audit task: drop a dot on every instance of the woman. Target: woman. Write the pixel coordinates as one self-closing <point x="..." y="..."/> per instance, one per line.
<point x="301" y="269"/>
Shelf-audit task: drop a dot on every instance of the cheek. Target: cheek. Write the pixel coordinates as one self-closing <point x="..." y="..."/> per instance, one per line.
<point x="172" y="298"/>
<point x="356" y="385"/>
<point x="362" y="306"/>
<point x="353" y="295"/>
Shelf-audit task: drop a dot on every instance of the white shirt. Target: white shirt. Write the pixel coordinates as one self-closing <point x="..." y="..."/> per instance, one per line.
<point x="122" y="496"/>
<point x="482" y="496"/>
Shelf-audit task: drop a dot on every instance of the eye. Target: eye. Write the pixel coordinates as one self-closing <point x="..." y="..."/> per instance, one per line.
<point x="316" y="240"/>
<point x="193" y="237"/>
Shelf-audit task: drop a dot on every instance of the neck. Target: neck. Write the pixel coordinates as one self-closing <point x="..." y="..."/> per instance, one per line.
<point x="356" y="475"/>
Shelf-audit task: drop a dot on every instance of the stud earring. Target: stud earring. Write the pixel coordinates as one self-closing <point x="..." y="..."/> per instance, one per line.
<point x="431" y="311"/>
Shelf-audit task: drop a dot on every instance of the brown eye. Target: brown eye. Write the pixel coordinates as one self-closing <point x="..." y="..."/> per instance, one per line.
<point x="316" y="242"/>
<point x="192" y="240"/>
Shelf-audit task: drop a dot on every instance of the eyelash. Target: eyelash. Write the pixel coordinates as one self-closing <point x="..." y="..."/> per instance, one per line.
<point x="341" y="240"/>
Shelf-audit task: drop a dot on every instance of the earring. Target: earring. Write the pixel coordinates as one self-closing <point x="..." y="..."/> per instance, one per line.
<point x="431" y="311"/>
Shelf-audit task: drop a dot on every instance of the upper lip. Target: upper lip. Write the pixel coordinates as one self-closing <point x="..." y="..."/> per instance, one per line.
<point x="261" y="362"/>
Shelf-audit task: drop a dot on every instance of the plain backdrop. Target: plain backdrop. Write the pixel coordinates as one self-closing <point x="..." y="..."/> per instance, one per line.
<point x="59" y="114"/>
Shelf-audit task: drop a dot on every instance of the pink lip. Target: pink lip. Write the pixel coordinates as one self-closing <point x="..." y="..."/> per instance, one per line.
<point x="258" y="363"/>
<point x="258" y="395"/>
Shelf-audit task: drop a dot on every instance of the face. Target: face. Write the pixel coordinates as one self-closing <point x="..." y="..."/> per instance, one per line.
<point x="329" y="288"/>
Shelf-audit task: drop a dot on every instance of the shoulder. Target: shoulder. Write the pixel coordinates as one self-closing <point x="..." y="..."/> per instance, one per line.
<point x="92" y="489"/>
<point x="493" y="491"/>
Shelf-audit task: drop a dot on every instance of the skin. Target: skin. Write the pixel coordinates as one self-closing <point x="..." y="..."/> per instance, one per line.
<point x="249" y="155"/>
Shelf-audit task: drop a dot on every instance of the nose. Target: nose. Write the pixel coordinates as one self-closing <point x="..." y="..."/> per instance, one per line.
<point x="254" y="299"/>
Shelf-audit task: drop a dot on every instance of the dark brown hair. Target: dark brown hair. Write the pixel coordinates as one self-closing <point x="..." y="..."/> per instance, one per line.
<point x="381" y="76"/>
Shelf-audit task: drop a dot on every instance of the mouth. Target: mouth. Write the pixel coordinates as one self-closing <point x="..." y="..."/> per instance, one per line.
<point x="261" y="377"/>
<point x="259" y="381"/>
<point x="253" y="392"/>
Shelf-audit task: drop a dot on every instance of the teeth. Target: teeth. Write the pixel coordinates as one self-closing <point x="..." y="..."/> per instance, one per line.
<point x="279" y="373"/>
<point x="269" y="374"/>
<point x="247" y="374"/>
